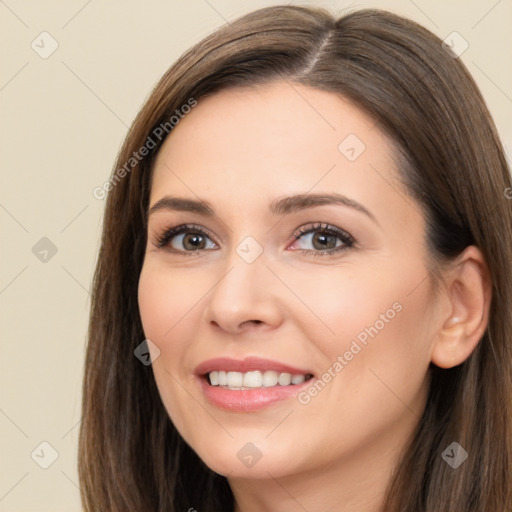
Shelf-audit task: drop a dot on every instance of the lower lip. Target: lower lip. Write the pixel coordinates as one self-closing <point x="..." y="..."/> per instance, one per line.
<point x="246" y="400"/>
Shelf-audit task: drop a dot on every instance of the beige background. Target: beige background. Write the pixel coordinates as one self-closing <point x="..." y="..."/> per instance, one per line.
<point x="63" y="119"/>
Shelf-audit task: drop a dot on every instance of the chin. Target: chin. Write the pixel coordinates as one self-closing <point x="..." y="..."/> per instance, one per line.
<point x="247" y="461"/>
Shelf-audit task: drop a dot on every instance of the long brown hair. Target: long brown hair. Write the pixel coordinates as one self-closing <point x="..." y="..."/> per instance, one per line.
<point x="131" y="457"/>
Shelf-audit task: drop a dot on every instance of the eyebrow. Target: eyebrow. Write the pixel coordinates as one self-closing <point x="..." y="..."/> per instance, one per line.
<point x="280" y="206"/>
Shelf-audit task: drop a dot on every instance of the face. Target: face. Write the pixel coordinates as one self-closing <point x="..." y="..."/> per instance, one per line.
<point x="280" y="241"/>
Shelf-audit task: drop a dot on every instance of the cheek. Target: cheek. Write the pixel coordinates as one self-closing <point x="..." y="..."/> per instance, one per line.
<point x="387" y="299"/>
<point x="166" y="304"/>
<point x="166" y="300"/>
<point x="337" y="304"/>
<point x="377" y="320"/>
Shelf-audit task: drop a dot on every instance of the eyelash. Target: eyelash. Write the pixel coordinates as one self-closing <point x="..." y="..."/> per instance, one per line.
<point x="348" y="240"/>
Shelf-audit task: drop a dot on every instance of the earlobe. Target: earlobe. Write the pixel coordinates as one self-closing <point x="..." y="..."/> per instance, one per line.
<point x="468" y="288"/>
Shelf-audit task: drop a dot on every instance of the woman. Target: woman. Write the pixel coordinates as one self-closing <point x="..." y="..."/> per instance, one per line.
<point x="308" y="234"/>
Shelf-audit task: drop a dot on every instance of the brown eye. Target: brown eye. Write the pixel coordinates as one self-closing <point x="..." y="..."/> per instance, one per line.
<point x="185" y="239"/>
<point x="322" y="239"/>
<point x="193" y="241"/>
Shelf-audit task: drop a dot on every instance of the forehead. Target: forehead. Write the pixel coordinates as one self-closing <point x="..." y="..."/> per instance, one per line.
<point x="247" y="145"/>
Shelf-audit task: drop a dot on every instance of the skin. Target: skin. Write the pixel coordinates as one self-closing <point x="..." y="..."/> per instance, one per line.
<point x="239" y="150"/>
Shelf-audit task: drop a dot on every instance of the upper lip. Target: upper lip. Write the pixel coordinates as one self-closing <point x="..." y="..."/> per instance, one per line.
<point x="247" y="365"/>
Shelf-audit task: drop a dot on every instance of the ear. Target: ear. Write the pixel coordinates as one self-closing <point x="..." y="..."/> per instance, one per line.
<point x="469" y="289"/>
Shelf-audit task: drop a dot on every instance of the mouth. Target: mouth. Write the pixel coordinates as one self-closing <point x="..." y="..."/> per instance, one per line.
<point x="249" y="384"/>
<point x="255" y="379"/>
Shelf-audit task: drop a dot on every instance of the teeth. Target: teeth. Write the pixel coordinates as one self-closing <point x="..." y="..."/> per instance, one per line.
<point x="251" y="380"/>
<point x="235" y="379"/>
<point x="255" y="379"/>
<point x="285" y="379"/>
<point x="298" y="379"/>
<point x="269" y="379"/>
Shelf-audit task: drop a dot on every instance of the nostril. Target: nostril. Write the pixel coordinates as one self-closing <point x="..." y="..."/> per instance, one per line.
<point x="255" y="322"/>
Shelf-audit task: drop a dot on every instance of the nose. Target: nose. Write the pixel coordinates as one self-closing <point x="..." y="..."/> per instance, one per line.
<point x="245" y="298"/>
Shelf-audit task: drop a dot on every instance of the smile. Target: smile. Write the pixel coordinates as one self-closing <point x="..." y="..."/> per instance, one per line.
<point x="249" y="384"/>
<point x="255" y="379"/>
